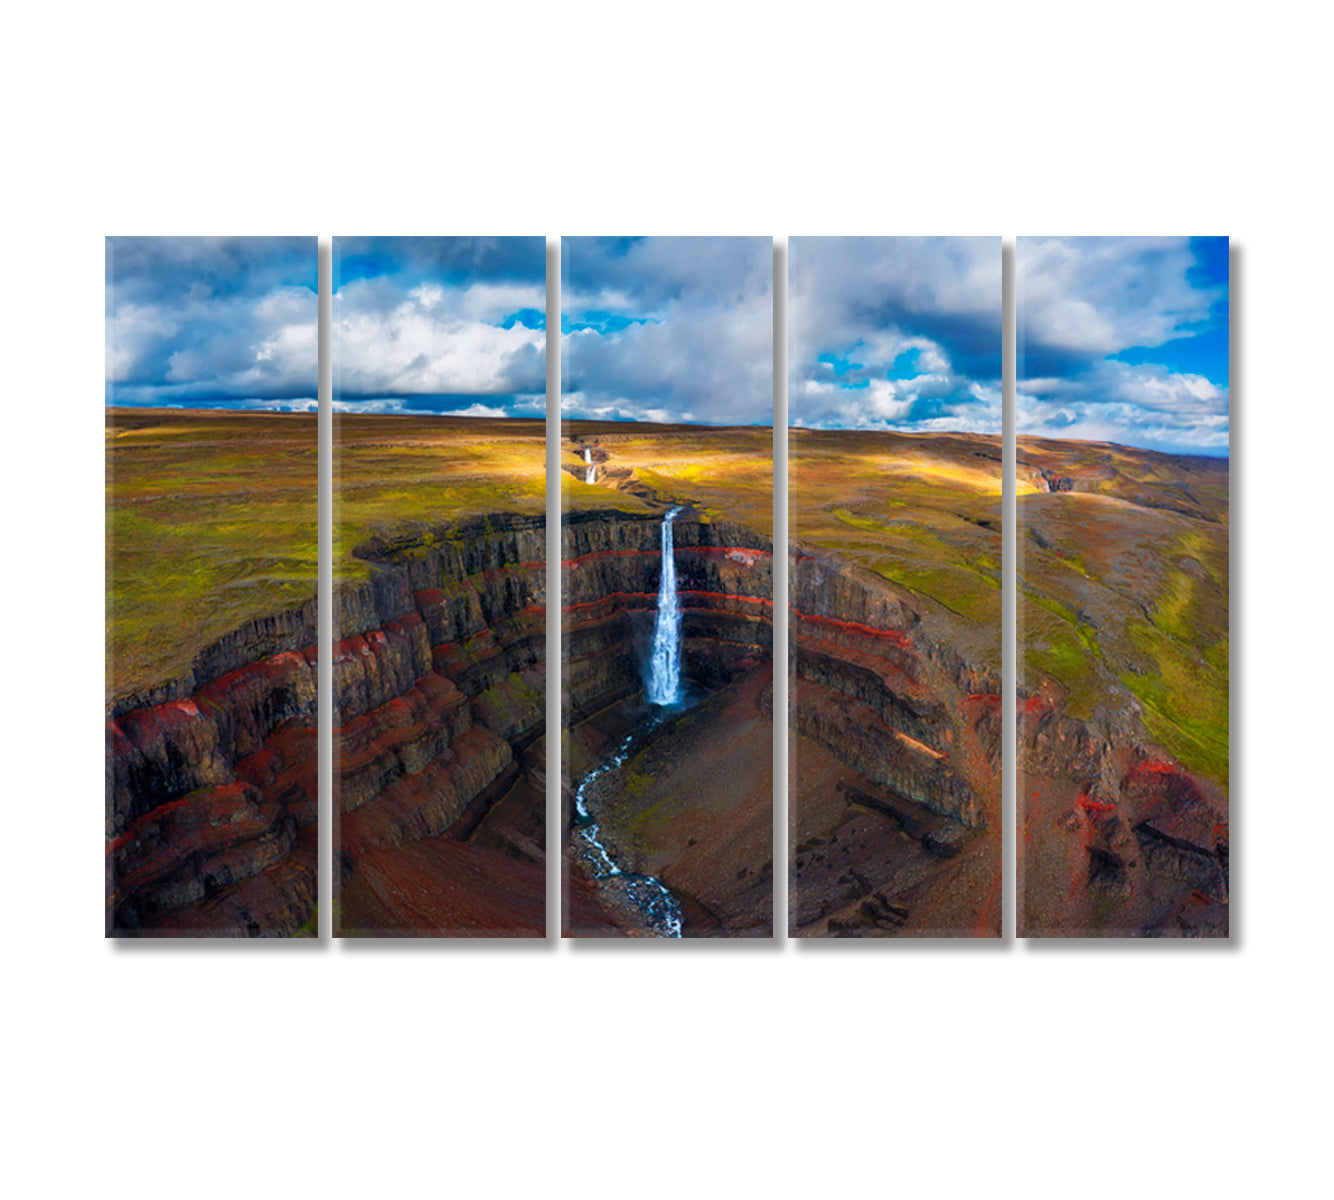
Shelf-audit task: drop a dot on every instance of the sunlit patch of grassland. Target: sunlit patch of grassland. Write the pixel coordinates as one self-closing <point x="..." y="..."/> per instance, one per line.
<point x="921" y="510"/>
<point x="1054" y="642"/>
<point x="399" y="476"/>
<point x="1185" y="700"/>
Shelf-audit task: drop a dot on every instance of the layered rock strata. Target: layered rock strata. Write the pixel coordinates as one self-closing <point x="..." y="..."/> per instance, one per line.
<point x="212" y="794"/>
<point x="1117" y="838"/>
<point x="872" y="686"/>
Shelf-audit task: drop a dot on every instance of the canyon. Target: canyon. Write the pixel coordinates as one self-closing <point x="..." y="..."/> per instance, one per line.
<point x="691" y="804"/>
<point x="439" y="684"/>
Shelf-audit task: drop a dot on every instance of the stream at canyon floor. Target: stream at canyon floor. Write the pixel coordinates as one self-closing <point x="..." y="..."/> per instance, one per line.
<point x="661" y="911"/>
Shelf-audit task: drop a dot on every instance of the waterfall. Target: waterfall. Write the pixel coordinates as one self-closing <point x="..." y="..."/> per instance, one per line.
<point x="664" y="681"/>
<point x="590" y="474"/>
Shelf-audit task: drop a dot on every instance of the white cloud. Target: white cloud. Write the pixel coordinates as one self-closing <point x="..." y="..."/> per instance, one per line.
<point x="429" y="344"/>
<point x="1115" y="401"/>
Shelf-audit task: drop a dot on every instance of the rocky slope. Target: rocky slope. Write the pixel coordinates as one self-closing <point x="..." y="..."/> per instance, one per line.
<point x="1123" y="683"/>
<point x="212" y="793"/>
<point x="439" y="700"/>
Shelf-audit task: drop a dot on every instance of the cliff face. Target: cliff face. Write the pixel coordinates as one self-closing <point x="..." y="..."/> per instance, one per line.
<point x="439" y="702"/>
<point x="872" y="687"/>
<point x="212" y="797"/>
<point x="438" y="682"/>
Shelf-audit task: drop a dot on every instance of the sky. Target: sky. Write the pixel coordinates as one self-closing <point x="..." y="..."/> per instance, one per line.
<point x="440" y="324"/>
<point x="667" y="329"/>
<point x="1124" y="340"/>
<point x="211" y="322"/>
<point x="895" y="333"/>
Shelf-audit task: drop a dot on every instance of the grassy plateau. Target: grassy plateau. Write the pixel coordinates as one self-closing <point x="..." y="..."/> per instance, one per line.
<point x="212" y="516"/>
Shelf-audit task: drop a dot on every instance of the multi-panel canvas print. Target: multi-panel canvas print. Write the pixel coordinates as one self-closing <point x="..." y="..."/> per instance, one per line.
<point x="211" y="511"/>
<point x="1122" y="493"/>
<point x="895" y="690"/>
<point x="439" y="561"/>
<point x="894" y="494"/>
<point x="667" y="586"/>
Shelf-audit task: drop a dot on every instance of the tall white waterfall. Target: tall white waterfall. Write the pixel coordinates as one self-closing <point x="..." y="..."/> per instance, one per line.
<point x="664" y="681"/>
<point x="590" y="474"/>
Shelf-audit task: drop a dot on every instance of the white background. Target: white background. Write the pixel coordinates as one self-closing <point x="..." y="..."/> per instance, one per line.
<point x="481" y="1070"/>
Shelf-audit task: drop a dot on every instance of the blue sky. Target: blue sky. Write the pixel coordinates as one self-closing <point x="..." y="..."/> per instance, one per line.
<point x="211" y="322"/>
<point x="668" y="329"/>
<point x="440" y="324"/>
<point x="1124" y="340"/>
<point x="895" y="333"/>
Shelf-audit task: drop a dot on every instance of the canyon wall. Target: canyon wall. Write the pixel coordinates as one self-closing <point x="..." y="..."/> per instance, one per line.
<point x="439" y="683"/>
<point x="611" y="569"/>
<point x="871" y="684"/>
<point x="439" y="701"/>
<point x="1117" y="838"/>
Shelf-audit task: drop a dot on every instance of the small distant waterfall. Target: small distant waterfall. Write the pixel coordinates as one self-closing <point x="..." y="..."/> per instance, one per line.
<point x="591" y="473"/>
<point x="664" y="681"/>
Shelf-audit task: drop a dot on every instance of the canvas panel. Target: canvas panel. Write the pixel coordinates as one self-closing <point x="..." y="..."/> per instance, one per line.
<point x="667" y="586"/>
<point x="439" y="682"/>
<point x="212" y="515"/>
<point x="1123" y="516"/>
<point x="894" y="521"/>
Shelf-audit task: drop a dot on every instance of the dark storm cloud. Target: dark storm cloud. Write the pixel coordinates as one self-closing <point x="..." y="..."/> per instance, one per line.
<point x="211" y="320"/>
